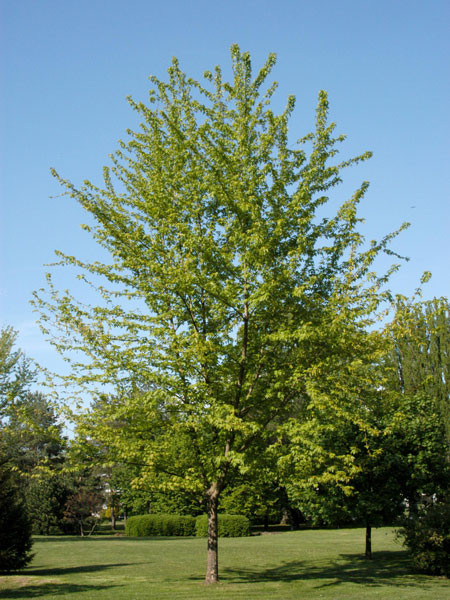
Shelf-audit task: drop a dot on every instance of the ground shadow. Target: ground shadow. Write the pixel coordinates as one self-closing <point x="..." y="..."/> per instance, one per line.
<point x="77" y="569"/>
<point x="108" y="538"/>
<point x="386" y="568"/>
<point x="39" y="590"/>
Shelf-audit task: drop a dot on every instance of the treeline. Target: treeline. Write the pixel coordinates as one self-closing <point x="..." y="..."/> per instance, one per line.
<point x="392" y="465"/>
<point x="40" y="491"/>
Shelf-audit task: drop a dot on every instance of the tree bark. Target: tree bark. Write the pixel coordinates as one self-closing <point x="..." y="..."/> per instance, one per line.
<point x="285" y="517"/>
<point x="368" y="539"/>
<point x="212" y="565"/>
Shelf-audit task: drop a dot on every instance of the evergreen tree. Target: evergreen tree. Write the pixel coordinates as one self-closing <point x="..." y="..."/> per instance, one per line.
<point x="46" y="498"/>
<point x="15" y="525"/>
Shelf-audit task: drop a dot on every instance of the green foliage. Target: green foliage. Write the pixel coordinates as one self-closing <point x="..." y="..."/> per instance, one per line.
<point x="33" y="436"/>
<point x="427" y="536"/>
<point x="400" y="460"/>
<point x="160" y="524"/>
<point x="140" y="500"/>
<point x="417" y="441"/>
<point x="31" y="439"/>
<point x="229" y="526"/>
<point x="16" y="372"/>
<point x="35" y="448"/>
<point x="328" y="444"/>
<point x="175" y="502"/>
<point x="83" y="506"/>
<point x="15" y="525"/>
<point x="421" y="352"/>
<point x="184" y="525"/>
<point x="364" y="471"/>
<point x="46" y="498"/>
<point x="261" y="502"/>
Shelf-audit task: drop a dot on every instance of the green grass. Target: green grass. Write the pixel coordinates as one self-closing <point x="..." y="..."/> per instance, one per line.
<point x="292" y="565"/>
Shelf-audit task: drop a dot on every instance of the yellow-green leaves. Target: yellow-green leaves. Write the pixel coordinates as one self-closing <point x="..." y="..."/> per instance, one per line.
<point x="229" y="296"/>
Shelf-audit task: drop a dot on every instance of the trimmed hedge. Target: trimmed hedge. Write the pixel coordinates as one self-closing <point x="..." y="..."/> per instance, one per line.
<point x="229" y="526"/>
<point x="160" y="524"/>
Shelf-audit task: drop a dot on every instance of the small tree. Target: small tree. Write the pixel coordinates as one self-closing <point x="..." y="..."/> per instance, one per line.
<point x="333" y="463"/>
<point x="83" y="506"/>
<point x="341" y="471"/>
<point x="225" y="279"/>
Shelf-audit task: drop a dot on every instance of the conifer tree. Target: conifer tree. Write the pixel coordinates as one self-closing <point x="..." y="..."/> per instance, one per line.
<point x="15" y="525"/>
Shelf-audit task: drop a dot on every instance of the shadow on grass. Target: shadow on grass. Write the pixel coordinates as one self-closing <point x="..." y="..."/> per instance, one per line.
<point x="107" y="538"/>
<point x="45" y="589"/>
<point x="78" y="569"/>
<point x="386" y="568"/>
<point x="24" y="586"/>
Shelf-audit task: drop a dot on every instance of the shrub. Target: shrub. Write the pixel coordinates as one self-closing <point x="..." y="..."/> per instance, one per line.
<point x="15" y="526"/>
<point x="160" y="524"/>
<point x="229" y="526"/>
<point x="427" y="536"/>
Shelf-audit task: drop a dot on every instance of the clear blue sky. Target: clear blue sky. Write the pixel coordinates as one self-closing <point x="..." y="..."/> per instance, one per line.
<point x="67" y="65"/>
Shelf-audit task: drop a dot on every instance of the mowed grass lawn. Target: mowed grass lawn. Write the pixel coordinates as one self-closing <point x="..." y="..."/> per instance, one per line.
<point x="289" y="565"/>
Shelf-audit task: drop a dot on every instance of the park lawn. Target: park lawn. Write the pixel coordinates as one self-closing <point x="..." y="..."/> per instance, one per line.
<point x="297" y="565"/>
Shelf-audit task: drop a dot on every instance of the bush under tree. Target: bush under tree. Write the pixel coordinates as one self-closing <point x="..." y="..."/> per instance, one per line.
<point x="427" y="536"/>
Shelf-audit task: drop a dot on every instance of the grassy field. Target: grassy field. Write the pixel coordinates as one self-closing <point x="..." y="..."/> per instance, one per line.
<point x="293" y="565"/>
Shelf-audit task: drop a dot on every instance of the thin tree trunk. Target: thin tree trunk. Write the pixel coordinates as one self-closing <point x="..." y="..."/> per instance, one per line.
<point x="212" y="565"/>
<point x="93" y="527"/>
<point x="368" y="539"/>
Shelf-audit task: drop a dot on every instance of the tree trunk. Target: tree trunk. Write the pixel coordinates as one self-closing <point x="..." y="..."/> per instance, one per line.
<point x="212" y="565"/>
<point x="285" y="517"/>
<point x="113" y="519"/>
<point x="368" y="539"/>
